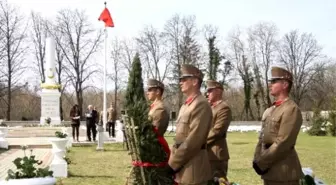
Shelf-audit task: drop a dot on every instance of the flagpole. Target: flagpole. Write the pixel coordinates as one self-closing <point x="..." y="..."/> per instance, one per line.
<point x="105" y="63"/>
<point x="101" y="132"/>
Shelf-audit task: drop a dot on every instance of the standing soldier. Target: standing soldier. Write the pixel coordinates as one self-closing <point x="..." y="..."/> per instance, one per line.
<point x="158" y="114"/>
<point x="189" y="159"/>
<point x="217" y="146"/>
<point x="275" y="158"/>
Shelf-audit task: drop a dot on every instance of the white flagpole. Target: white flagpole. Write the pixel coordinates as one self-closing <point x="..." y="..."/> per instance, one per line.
<point x="102" y="128"/>
<point x="105" y="63"/>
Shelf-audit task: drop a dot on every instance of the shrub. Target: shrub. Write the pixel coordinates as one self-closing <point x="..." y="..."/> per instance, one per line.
<point x="317" y="124"/>
<point x="332" y="119"/>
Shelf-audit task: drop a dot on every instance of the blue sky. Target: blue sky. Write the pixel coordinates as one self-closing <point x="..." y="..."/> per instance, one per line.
<point x="130" y="16"/>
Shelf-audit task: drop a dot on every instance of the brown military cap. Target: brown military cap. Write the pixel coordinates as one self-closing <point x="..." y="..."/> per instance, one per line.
<point x="188" y="70"/>
<point x="281" y="73"/>
<point x="212" y="84"/>
<point x="154" y="83"/>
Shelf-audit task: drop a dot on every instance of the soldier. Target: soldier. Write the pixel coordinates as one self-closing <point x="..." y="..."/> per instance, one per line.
<point x="217" y="146"/>
<point x="158" y="113"/>
<point x="189" y="159"/>
<point x="275" y="158"/>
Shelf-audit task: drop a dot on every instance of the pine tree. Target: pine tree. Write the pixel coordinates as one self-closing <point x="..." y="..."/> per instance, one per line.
<point x="317" y="123"/>
<point x="141" y="137"/>
<point x="214" y="59"/>
<point x="332" y="119"/>
<point x="135" y="88"/>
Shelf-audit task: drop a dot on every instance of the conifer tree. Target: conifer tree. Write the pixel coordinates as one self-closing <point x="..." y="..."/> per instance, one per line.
<point x="135" y="89"/>
<point x="142" y="140"/>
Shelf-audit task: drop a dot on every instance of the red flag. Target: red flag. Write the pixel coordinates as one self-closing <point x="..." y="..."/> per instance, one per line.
<point x="106" y="17"/>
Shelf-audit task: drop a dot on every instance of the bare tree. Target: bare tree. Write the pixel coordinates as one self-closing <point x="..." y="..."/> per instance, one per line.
<point x="180" y="35"/>
<point x="38" y="35"/>
<point x="116" y="75"/>
<point x="154" y="52"/>
<point x="14" y="31"/>
<point x="262" y="43"/>
<point x="299" y="53"/>
<point x="79" y="42"/>
<point x="189" y="47"/>
<point x="128" y="52"/>
<point x="243" y="66"/>
<point x="173" y="31"/>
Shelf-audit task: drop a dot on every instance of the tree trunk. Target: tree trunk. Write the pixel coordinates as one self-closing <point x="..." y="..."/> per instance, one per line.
<point x="61" y="109"/>
<point x="9" y="98"/>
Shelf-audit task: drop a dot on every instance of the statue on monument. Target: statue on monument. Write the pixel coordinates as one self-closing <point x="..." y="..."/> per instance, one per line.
<point x="50" y="88"/>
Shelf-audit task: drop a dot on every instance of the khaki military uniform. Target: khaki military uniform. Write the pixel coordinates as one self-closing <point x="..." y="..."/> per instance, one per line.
<point x="160" y="117"/>
<point x="217" y="145"/>
<point x="275" y="150"/>
<point x="189" y="152"/>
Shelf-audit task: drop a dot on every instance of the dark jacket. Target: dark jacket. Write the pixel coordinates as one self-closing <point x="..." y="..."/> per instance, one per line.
<point x="91" y="117"/>
<point x="74" y="113"/>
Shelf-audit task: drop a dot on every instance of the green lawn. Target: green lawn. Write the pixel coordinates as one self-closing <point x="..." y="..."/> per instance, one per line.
<point x="112" y="166"/>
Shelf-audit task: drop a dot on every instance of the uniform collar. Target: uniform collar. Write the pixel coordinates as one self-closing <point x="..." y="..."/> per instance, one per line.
<point x="279" y="102"/>
<point x="214" y="104"/>
<point x="154" y="103"/>
<point x="190" y="99"/>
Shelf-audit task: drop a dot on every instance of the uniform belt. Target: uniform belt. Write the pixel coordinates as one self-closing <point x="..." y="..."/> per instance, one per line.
<point x="177" y="145"/>
<point x="266" y="146"/>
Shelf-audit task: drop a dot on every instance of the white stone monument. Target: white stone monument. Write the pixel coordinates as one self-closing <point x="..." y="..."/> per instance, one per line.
<point x="119" y="133"/>
<point x="3" y="134"/>
<point x="50" y="104"/>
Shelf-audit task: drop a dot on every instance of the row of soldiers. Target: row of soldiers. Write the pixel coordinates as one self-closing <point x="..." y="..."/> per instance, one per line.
<point x="200" y="152"/>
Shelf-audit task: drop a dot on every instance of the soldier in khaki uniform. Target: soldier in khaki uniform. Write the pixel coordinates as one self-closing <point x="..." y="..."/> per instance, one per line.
<point x="275" y="158"/>
<point x="217" y="146"/>
<point x="158" y="113"/>
<point x="189" y="158"/>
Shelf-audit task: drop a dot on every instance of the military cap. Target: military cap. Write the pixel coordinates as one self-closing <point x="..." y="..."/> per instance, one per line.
<point x="152" y="83"/>
<point x="280" y="73"/>
<point x="212" y="84"/>
<point x="188" y="70"/>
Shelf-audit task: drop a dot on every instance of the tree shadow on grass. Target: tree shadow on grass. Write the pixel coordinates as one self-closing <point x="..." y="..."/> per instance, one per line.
<point x="240" y="143"/>
<point x="90" y="176"/>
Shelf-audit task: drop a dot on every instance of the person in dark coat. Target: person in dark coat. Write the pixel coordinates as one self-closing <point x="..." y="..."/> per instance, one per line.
<point x="75" y="122"/>
<point x="91" y="120"/>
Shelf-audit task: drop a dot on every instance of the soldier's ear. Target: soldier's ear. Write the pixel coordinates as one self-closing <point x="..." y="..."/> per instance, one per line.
<point x="286" y="84"/>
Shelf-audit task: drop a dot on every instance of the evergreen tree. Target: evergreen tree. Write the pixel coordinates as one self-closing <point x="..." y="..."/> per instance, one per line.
<point x="135" y="88"/>
<point x="142" y="139"/>
<point x="214" y="59"/>
<point x="332" y="119"/>
<point x="317" y="124"/>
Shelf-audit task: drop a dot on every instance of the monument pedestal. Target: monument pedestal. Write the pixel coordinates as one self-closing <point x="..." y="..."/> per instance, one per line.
<point x="50" y="106"/>
<point x="119" y="132"/>
<point x="58" y="165"/>
<point x="100" y="133"/>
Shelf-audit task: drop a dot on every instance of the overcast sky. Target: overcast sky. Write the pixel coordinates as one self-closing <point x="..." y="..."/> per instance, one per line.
<point x="313" y="16"/>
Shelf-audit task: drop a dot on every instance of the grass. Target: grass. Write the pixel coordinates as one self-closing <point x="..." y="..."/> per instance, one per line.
<point x="112" y="166"/>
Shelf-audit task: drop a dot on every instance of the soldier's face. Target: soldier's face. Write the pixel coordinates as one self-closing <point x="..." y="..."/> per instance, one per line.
<point x="186" y="84"/>
<point x="277" y="86"/>
<point x="214" y="95"/>
<point x="151" y="94"/>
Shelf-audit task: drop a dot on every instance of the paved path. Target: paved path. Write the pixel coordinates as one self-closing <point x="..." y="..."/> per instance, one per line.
<point x="37" y="138"/>
<point x="7" y="158"/>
